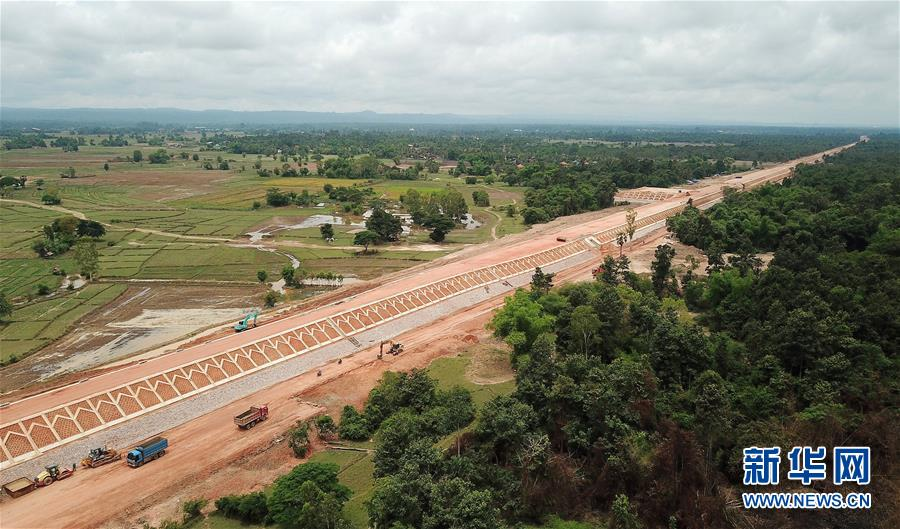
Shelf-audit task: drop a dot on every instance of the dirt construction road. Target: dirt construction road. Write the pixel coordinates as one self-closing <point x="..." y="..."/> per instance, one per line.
<point x="34" y="428"/>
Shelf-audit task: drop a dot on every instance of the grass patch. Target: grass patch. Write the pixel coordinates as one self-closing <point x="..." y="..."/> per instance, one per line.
<point x="451" y="371"/>
<point x="356" y="470"/>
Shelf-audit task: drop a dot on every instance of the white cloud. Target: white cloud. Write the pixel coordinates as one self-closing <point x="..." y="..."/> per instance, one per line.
<point x="724" y="62"/>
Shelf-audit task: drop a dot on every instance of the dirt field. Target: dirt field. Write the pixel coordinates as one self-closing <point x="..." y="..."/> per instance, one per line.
<point x="146" y="316"/>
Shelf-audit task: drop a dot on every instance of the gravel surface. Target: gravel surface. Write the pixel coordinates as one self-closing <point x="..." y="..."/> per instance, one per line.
<point x="129" y="433"/>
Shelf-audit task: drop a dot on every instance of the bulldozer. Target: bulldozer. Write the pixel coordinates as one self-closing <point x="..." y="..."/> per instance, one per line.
<point x="395" y="349"/>
<point x="245" y="324"/>
<point x="100" y="456"/>
<point x="51" y="474"/>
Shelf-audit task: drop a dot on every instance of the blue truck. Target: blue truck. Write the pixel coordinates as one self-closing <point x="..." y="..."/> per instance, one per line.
<point x="147" y="451"/>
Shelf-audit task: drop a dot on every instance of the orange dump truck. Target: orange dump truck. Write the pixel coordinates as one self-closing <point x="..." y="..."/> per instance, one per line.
<point x="249" y="418"/>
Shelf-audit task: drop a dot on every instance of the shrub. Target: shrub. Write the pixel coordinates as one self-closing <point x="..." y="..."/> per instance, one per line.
<point x="535" y="216"/>
<point x="325" y="427"/>
<point x="298" y="439"/>
<point x="191" y="508"/>
<point x="271" y="298"/>
<point x="248" y="508"/>
<point x="353" y="425"/>
<point x="51" y="198"/>
<point x="300" y="495"/>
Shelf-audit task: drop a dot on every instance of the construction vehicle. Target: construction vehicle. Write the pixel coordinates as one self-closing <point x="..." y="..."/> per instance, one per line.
<point x="100" y="456"/>
<point x="22" y="486"/>
<point x="51" y="474"/>
<point x="245" y="324"/>
<point x="396" y="348"/>
<point x="249" y="418"/>
<point x="19" y="487"/>
<point x="147" y="451"/>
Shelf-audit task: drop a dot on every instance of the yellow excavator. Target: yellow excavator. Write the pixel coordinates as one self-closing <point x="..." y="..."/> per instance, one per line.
<point x="395" y="349"/>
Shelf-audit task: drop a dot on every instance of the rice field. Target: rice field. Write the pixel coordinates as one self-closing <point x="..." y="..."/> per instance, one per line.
<point x="209" y="209"/>
<point x="44" y="320"/>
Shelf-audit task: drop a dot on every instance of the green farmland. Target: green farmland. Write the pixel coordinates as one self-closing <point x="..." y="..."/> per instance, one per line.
<point x="179" y="221"/>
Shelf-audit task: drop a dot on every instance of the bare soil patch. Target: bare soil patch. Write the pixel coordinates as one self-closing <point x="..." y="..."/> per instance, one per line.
<point x="490" y="363"/>
<point x="145" y="317"/>
<point x="641" y="252"/>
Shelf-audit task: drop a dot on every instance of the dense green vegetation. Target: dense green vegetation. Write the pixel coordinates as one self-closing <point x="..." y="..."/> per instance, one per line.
<point x="630" y="413"/>
<point x="564" y="176"/>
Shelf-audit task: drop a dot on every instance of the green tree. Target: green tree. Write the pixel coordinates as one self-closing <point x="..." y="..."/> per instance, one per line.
<point x="521" y="321"/>
<point x="159" y="156"/>
<point x="326" y="429"/>
<point x="396" y="433"/>
<point x="661" y="267"/>
<point x="412" y="201"/>
<point x="298" y="439"/>
<point x="6" y="308"/>
<point x="90" y="228"/>
<point x="327" y="231"/>
<point x="87" y="257"/>
<point x="503" y="426"/>
<point x="712" y="412"/>
<point x="534" y="216"/>
<point x="248" y="508"/>
<point x="293" y="504"/>
<point x="9" y="181"/>
<point x="262" y="275"/>
<point x="623" y="517"/>
<point x="353" y="426"/>
<point x="585" y="325"/>
<point x="271" y="298"/>
<point x="541" y="283"/>
<point x="481" y="198"/>
<point x="385" y="225"/>
<point x="364" y="239"/>
<point x="277" y="199"/>
<point x="137" y="156"/>
<point x="106" y="167"/>
<point x="287" y="273"/>
<point x="51" y="198"/>
<point x="456" y="503"/>
<point x="440" y="226"/>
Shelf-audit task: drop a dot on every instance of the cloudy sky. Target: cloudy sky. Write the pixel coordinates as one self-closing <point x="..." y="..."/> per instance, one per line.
<point x="816" y="63"/>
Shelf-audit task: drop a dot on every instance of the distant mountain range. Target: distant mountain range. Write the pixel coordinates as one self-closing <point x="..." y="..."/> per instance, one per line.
<point x="223" y="118"/>
<point x="14" y="118"/>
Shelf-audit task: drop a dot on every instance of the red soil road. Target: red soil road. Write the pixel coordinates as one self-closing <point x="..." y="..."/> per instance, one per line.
<point x="202" y="448"/>
<point x="198" y="452"/>
<point x="490" y="256"/>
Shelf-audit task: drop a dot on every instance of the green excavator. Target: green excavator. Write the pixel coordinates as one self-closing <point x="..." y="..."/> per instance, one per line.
<point x="245" y="323"/>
